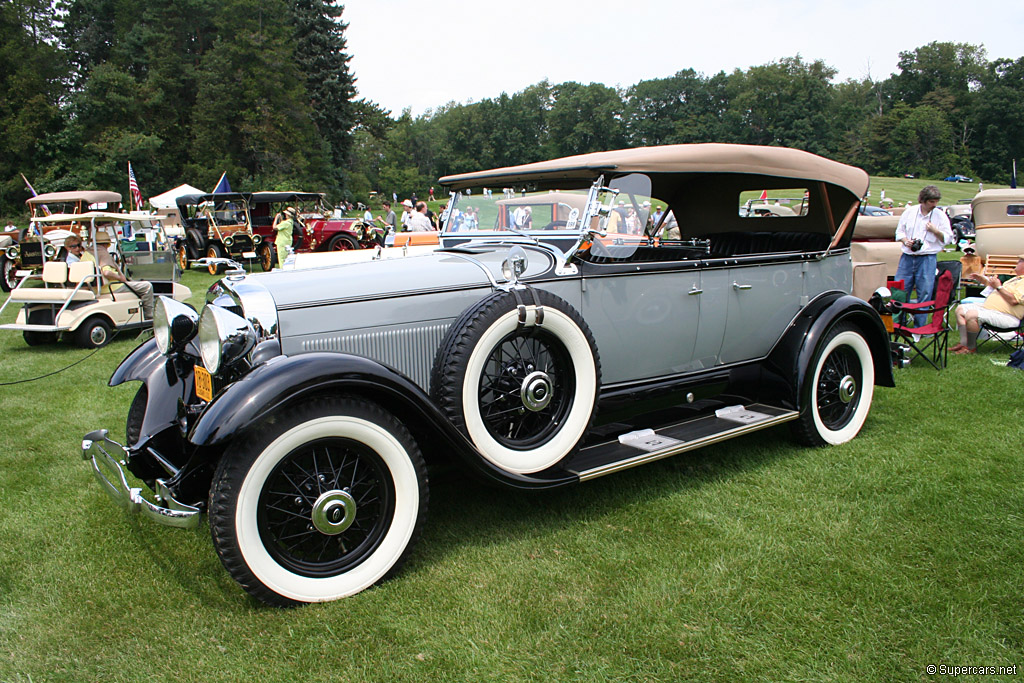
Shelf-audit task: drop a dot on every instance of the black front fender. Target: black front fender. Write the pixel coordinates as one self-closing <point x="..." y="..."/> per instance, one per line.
<point x="286" y="380"/>
<point x="168" y="383"/>
<point x="789" y="362"/>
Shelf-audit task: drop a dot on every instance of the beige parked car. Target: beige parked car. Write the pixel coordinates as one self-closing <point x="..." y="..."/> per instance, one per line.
<point x="999" y="222"/>
<point x="72" y="300"/>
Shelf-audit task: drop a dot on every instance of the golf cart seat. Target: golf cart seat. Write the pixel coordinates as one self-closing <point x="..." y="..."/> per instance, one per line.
<point x="64" y="284"/>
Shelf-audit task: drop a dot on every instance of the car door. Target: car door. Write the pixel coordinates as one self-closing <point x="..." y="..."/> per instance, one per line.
<point x="644" y="318"/>
<point x="762" y="298"/>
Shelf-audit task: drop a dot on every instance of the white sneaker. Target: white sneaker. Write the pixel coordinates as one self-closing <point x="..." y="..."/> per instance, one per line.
<point x="916" y="337"/>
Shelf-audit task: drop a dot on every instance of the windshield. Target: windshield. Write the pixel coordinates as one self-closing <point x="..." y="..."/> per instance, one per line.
<point x="622" y="209"/>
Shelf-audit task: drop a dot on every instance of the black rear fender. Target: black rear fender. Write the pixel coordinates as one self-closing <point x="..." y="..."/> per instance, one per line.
<point x="788" y="363"/>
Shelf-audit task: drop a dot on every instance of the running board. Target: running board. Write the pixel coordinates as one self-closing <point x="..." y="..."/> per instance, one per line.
<point x="643" y="446"/>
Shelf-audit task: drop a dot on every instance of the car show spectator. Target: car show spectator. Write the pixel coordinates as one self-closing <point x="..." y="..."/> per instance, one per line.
<point x="418" y="221"/>
<point x="74" y="247"/>
<point x="390" y="220"/>
<point x="406" y="214"/>
<point x="923" y="231"/>
<point x="111" y="274"/>
<point x="284" y="227"/>
<point x="1003" y="307"/>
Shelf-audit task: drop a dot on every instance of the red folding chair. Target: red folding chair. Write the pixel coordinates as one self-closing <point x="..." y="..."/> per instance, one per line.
<point x="934" y="334"/>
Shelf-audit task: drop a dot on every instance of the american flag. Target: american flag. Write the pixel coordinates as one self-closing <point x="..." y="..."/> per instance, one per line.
<point x="31" y="189"/>
<point x="133" y="185"/>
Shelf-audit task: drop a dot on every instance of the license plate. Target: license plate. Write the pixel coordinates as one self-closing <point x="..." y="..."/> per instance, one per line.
<point x="887" y="321"/>
<point x="249" y="254"/>
<point x="204" y="383"/>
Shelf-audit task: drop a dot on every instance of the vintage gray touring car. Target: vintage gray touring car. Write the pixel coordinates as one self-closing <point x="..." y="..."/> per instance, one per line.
<point x="300" y="410"/>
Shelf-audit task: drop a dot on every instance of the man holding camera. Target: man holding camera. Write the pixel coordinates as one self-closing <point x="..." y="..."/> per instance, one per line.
<point x="923" y="231"/>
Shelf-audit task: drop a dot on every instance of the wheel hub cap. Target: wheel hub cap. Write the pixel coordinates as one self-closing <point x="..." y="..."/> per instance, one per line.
<point x="536" y="391"/>
<point x="847" y="389"/>
<point x="334" y="512"/>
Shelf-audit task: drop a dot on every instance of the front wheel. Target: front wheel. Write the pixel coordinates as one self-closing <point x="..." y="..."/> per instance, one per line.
<point x="321" y="503"/>
<point x="215" y="251"/>
<point x="8" y="270"/>
<point x="181" y="254"/>
<point x="93" y="333"/>
<point x="342" y="242"/>
<point x="838" y="390"/>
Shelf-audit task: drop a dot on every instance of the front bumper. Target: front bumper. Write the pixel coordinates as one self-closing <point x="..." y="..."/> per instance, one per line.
<point x="170" y="513"/>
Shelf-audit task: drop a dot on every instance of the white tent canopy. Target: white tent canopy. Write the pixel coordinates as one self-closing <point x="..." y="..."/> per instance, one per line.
<point x="166" y="200"/>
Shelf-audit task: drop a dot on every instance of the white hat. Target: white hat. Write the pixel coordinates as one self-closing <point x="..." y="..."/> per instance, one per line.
<point x="407" y="203"/>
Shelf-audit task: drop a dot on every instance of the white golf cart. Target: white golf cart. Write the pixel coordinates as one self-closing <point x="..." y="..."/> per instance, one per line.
<point x="73" y="300"/>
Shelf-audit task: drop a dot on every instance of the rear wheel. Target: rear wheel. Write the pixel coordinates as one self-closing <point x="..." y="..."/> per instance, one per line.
<point x="838" y="389"/>
<point x="215" y="251"/>
<point x="267" y="255"/>
<point x="342" y="242"/>
<point x="321" y="503"/>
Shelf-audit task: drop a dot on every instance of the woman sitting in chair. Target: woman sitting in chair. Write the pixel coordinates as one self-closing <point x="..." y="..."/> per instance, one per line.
<point x="1003" y="307"/>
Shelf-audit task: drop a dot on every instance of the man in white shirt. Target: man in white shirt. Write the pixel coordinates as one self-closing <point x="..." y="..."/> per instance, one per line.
<point x="923" y="230"/>
<point x="419" y="222"/>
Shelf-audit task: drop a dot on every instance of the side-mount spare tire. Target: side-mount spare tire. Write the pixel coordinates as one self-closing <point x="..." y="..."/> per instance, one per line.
<point x="518" y="373"/>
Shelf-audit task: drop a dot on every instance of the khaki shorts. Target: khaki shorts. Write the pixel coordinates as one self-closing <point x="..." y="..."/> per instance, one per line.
<point x="992" y="318"/>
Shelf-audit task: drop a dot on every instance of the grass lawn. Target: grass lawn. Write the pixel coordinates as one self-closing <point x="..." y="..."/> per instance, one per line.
<point x="753" y="559"/>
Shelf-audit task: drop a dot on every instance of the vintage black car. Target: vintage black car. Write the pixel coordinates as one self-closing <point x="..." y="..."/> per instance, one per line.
<point x="300" y="410"/>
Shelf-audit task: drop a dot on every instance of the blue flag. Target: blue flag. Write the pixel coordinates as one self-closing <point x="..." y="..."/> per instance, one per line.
<point x="222" y="185"/>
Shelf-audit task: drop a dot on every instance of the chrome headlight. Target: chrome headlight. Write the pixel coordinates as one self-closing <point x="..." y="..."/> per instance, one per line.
<point x="12" y="252"/>
<point x="228" y="241"/>
<point x="49" y="250"/>
<point x="174" y="324"/>
<point x="256" y="239"/>
<point x="223" y="338"/>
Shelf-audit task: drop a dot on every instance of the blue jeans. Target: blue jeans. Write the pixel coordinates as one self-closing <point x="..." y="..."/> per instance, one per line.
<point x="918" y="272"/>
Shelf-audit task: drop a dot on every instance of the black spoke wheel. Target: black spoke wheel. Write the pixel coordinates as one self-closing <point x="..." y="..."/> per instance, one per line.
<point x="322" y="502"/>
<point x="526" y="388"/>
<point x="8" y="270"/>
<point x="325" y="507"/>
<point x="522" y="388"/>
<point x="838" y="388"/>
<point x="837" y="392"/>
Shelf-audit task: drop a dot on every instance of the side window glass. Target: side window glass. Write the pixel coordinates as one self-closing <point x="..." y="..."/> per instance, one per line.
<point x="786" y="203"/>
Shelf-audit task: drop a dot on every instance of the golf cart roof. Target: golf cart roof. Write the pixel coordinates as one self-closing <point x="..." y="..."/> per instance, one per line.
<point x="88" y="196"/>
<point x="97" y="216"/>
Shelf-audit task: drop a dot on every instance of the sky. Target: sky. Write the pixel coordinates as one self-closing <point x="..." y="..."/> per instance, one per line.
<point x="423" y="55"/>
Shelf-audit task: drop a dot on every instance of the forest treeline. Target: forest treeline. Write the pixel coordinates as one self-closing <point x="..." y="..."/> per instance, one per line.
<point x="262" y="90"/>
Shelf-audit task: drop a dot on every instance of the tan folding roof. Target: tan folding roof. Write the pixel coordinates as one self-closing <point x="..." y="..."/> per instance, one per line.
<point x="88" y="196"/>
<point x="781" y="162"/>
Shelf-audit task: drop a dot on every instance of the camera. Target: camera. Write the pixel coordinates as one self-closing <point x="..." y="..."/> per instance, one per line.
<point x="916" y="245"/>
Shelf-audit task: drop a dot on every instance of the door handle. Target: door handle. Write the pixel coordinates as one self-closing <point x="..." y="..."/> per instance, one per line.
<point x="695" y="291"/>
<point x="737" y="286"/>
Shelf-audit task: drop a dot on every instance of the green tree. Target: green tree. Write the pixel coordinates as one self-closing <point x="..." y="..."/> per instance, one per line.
<point x="320" y="53"/>
<point x="30" y="94"/>
<point x="584" y="118"/>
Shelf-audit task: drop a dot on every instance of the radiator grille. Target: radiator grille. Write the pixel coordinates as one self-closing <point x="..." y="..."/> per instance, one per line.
<point x="410" y="350"/>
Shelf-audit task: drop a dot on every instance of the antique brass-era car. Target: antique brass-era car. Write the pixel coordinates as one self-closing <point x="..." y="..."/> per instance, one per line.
<point x="301" y="408"/>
